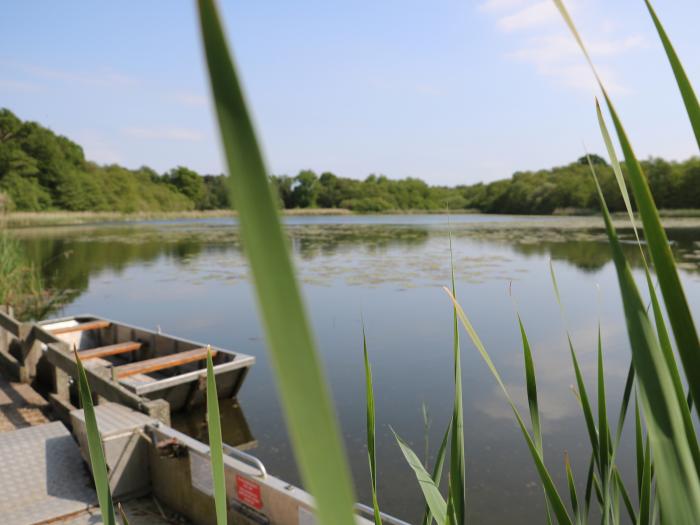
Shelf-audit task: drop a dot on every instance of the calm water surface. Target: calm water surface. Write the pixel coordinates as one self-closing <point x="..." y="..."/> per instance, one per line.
<point x="190" y="278"/>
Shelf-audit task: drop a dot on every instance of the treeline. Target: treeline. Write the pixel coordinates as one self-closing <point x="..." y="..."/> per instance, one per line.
<point x="567" y="188"/>
<point x="40" y="170"/>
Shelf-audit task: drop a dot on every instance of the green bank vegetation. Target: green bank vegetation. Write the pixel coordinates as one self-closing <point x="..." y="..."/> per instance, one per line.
<point x="666" y="488"/>
<point x="42" y="171"/>
<point x="21" y="282"/>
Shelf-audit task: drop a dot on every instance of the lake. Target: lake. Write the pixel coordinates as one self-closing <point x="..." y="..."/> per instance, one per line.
<point x="189" y="278"/>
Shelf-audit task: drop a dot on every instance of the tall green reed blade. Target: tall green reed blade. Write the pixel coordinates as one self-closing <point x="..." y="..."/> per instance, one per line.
<point x="676" y="304"/>
<point x="437" y="470"/>
<point x="578" y="517"/>
<point x="451" y="514"/>
<point x="457" y="465"/>
<point x="371" y="441"/>
<point x="582" y="393"/>
<point x="429" y="487"/>
<point x="639" y="447"/>
<point x="216" y="448"/>
<point x="303" y="391"/>
<point x="531" y="385"/>
<point x="620" y="485"/>
<point x="97" y="457"/>
<point x="678" y="483"/>
<point x="626" y="395"/>
<point x="645" y="496"/>
<point x="603" y="434"/>
<point x="589" y="489"/>
<point x="662" y="332"/>
<point x="555" y="500"/>
<point x="686" y="89"/>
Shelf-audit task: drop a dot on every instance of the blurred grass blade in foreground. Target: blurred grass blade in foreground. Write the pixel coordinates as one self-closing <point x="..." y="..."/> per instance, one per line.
<point x="457" y="465"/>
<point x="674" y="297"/>
<point x="686" y="89"/>
<point x="216" y="449"/>
<point x="302" y="388"/>
<point x="371" y="431"/>
<point x="677" y="479"/>
<point x="97" y="458"/>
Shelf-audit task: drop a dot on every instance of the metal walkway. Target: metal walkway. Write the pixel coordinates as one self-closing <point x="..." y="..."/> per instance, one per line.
<point x="42" y="476"/>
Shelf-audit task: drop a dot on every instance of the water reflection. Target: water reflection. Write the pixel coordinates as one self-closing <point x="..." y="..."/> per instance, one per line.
<point x="234" y="425"/>
<point x="158" y="274"/>
<point x="365" y="254"/>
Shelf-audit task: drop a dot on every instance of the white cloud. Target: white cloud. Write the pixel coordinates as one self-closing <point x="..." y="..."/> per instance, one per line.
<point x="499" y="5"/>
<point x="189" y="99"/>
<point x="556" y="55"/>
<point x="15" y="85"/>
<point x="553" y="51"/>
<point x="164" y="133"/>
<point x="541" y="13"/>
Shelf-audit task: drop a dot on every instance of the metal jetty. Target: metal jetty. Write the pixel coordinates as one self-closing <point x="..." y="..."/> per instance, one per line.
<point x="138" y="377"/>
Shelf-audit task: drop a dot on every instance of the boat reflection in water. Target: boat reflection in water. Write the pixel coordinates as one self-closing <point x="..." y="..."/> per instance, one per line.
<point x="234" y="426"/>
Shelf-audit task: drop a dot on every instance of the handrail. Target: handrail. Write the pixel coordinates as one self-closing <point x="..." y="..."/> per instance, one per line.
<point x="239" y="454"/>
<point x="231" y="451"/>
<point x="387" y="519"/>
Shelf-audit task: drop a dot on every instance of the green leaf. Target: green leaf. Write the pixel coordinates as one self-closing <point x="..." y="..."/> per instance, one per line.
<point x="303" y="391"/>
<point x="686" y="89"/>
<point x="531" y="384"/>
<point x="555" y="500"/>
<point x="431" y="492"/>
<point x="572" y="490"/>
<point x="582" y="393"/>
<point x="645" y="497"/>
<point x="216" y="449"/>
<point x="97" y="458"/>
<point x="639" y="446"/>
<point x="437" y="470"/>
<point x="625" y="495"/>
<point x="589" y="488"/>
<point x="457" y="465"/>
<point x="603" y="433"/>
<point x="371" y="452"/>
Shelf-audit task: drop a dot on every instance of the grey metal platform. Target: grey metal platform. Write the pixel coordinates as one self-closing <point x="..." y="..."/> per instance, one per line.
<point x="42" y="475"/>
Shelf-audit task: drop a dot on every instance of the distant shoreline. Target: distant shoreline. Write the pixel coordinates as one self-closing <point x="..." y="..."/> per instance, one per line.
<point x="70" y="218"/>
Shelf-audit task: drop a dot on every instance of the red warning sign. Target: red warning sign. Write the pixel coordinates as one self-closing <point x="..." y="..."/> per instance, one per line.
<point x="248" y="492"/>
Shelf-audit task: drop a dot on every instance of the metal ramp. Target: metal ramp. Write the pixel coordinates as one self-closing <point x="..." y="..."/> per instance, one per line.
<point x="42" y="475"/>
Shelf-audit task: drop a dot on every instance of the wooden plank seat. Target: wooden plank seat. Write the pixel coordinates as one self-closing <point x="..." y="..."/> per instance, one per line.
<point x="104" y="351"/>
<point x="136" y="379"/>
<point x="161" y="363"/>
<point x="81" y="327"/>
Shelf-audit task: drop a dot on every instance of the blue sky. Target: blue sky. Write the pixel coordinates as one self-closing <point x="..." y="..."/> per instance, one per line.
<point x="453" y="92"/>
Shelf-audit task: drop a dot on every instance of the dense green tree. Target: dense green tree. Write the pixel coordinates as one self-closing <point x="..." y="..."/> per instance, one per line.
<point x="189" y="183"/>
<point x="216" y="195"/>
<point x="305" y="189"/>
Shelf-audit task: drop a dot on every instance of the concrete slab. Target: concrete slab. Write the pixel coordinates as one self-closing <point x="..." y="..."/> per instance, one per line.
<point x="43" y="476"/>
